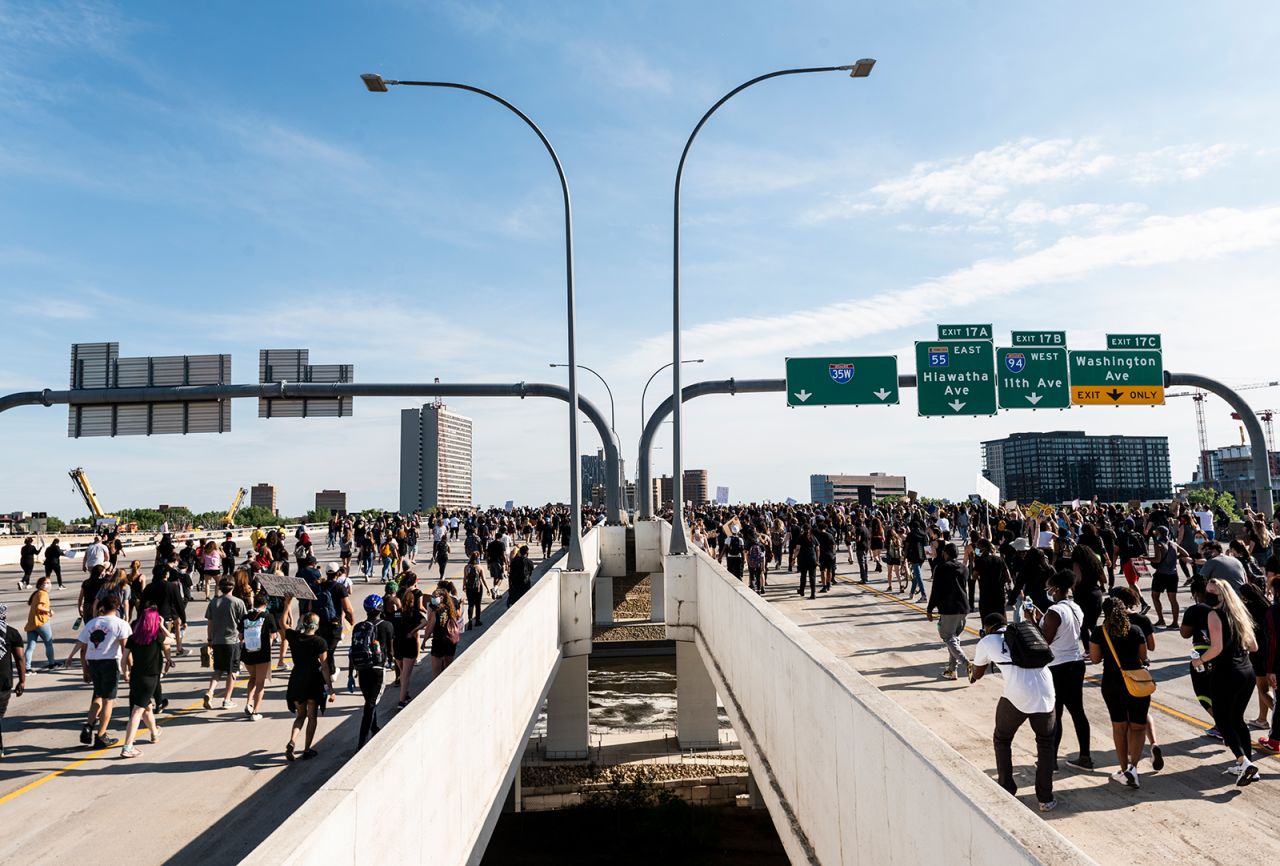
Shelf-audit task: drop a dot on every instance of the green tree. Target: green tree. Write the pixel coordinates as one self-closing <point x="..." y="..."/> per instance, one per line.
<point x="55" y="525"/>
<point x="318" y="515"/>
<point x="256" y="515"/>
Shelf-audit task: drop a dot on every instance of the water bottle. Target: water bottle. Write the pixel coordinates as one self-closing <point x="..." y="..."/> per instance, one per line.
<point x="1195" y="661"/>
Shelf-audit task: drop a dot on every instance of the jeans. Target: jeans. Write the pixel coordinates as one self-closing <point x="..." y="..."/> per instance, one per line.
<point x="366" y="563"/>
<point x="862" y="565"/>
<point x="43" y="633"/>
<point x="950" y="627"/>
<point x="811" y="572"/>
<point x="1008" y="719"/>
<point x="917" y="580"/>
<point x="1068" y="688"/>
<point x="370" y="680"/>
<point x="386" y="568"/>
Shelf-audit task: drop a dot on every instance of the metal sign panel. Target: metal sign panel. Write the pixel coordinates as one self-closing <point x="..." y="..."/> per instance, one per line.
<point x="965" y="332"/>
<point x="1133" y="341"/>
<point x="842" y="381"/>
<point x="1034" y="377"/>
<point x="291" y="365"/>
<point x="1038" y="338"/>
<point x="1117" y="378"/>
<point x="98" y="366"/>
<point x="955" y="377"/>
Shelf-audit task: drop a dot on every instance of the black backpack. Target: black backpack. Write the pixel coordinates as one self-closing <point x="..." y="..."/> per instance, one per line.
<point x="734" y="547"/>
<point x="1026" y="645"/>
<point x="366" y="649"/>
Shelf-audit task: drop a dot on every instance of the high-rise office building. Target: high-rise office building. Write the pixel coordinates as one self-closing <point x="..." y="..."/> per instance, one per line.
<point x="663" y="492"/>
<point x="595" y="473"/>
<point x="1066" y="465"/>
<point x="696" y="491"/>
<point x="827" y="489"/>
<point x="334" y="500"/>
<point x="263" y="496"/>
<point x="435" y="459"/>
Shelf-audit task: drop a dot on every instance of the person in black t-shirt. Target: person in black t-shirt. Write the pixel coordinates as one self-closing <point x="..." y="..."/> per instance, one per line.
<point x="309" y="681"/>
<point x="146" y="660"/>
<point x="12" y="656"/>
<point x="1119" y="645"/>
<point x="1195" y="628"/>
<point x="826" y="555"/>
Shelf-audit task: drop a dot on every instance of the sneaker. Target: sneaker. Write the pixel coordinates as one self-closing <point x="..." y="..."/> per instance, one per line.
<point x="1157" y="758"/>
<point x="248" y="710"/>
<point x="1250" y="773"/>
<point x="1233" y="770"/>
<point x="228" y="705"/>
<point x="1082" y="762"/>
<point x="1213" y="734"/>
<point x="1131" y="777"/>
<point x="207" y="701"/>
<point x="1119" y="776"/>
<point x="1268" y="745"/>
<point x="949" y="675"/>
<point x="255" y="717"/>
<point x="1049" y="807"/>
<point x="86" y="735"/>
<point x="105" y="742"/>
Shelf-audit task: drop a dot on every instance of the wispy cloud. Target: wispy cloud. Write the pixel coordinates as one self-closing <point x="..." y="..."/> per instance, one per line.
<point x="1160" y="240"/>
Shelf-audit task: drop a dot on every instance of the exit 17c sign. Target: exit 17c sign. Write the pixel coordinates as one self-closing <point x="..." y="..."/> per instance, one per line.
<point x="1115" y="377"/>
<point x="842" y="381"/>
<point x="955" y="377"/>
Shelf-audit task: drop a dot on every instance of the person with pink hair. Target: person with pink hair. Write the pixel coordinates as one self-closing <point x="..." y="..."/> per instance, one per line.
<point x="146" y="659"/>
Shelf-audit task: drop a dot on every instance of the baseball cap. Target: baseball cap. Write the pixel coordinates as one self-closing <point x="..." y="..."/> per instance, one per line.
<point x="331" y="568"/>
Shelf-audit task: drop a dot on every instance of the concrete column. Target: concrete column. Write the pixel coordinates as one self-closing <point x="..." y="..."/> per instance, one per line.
<point x="567" y="710"/>
<point x="697" y="722"/>
<point x="753" y="791"/>
<point x="603" y="614"/>
<point x="657" y="599"/>
<point x="513" y="803"/>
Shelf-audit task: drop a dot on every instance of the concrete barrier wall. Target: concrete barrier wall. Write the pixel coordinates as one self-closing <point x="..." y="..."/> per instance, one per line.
<point x="847" y="774"/>
<point x="142" y="546"/>
<point x="652" y="540"/>
<point x="490" y="696"/>
<point x="613" y="551"/>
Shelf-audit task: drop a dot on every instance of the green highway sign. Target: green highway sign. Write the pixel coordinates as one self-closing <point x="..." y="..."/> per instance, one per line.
<point x="1039" y="338"/>
<point x="1132" y="377"/>
<point x="964" y="332"/>
<point x="1032" y="377"/>
<point x="843" y="381"/>
<point x="1133" y="341"/>
<point x="955" y="377"/>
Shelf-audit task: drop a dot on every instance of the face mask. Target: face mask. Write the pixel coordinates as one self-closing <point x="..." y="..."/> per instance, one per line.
<point x="1214" y="600"/>
<point x="435" y="601"/>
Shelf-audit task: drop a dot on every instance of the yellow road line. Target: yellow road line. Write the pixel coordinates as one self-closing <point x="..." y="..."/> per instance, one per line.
<point x="1177" y="714"/>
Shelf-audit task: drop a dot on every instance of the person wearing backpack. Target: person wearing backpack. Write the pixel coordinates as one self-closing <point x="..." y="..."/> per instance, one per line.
<point x="949" y="596"/>
<point x="755" y="565"/>
<point x="473" y="584"/>
<point x="914" y="548"/>
<point x="1023" y="656"/>
<point x="733" y="553"/>
<point x="258" y="630"/>
<point x="371" y="640"/>
<point x="332" y="605"/>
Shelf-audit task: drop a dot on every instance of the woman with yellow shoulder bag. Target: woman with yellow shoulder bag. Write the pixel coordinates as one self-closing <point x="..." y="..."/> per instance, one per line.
<point x="1126" y="684"/>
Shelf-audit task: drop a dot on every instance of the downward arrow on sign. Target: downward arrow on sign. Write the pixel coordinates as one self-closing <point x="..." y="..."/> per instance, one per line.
<point x="956" y="405"/>
<point x="803" y="396"/>
<point x="1033" y="398"/>
<point x="1114" y="394"/>
<point x="882" y="393"/>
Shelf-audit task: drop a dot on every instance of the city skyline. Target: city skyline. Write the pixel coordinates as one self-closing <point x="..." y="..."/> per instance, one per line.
<point x="180" y="202"/>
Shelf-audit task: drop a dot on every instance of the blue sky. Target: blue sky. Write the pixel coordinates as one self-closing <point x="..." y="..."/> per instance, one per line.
<point x="187" y="179"/>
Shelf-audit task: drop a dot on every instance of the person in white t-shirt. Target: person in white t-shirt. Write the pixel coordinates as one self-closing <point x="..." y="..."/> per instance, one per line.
<point x="1028" y="696"/>
<point x="1062" y="625"/>
<point x="101" y="640"/>
<point x="1205" y="518"/>
<point x="94" y="554"/>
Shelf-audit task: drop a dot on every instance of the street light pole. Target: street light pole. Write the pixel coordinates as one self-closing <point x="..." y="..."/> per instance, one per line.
<point x="612" y="416"/>
<point x="679" y="541"/>
<point x="644" y="417"/>
<point x="377" y="84"/>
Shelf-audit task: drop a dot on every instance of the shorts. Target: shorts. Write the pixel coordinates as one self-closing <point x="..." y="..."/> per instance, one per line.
<point x="143" y="690"/>
<point x="105" y="676"/>
<point x="827" y="562"/>
<point x="1164" y="583"/>
<point x="1124" y="707"/>
<point x="226" y="658"/>
<point x="1129" y="571"/>
<point x="405" y="647"/>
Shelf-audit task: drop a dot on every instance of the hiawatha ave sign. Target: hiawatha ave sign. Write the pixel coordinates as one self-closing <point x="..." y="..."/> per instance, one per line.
<point x="955" y="377"/>
<point x="1117" y="378"/>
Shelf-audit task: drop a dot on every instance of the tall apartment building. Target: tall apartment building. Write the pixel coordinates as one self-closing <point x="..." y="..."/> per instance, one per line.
<point x="696" y="491"/>
<point x="663" y="492"/>
<point x="1065" y="465"/>
<point x="435" y="459"/>
<point x="827" y="489"/>
<point x="263" y="496"/>
<point x="334" y="500"/>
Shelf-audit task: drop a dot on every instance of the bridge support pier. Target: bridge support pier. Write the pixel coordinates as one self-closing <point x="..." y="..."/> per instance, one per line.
<point x="567" y="730"/>
<point x="697" y="720"/>
<point x="657" y="600"/>
<point x="603" y="592"/>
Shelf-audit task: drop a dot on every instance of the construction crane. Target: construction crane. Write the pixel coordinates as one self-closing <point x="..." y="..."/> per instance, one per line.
<point x="1268" y="417"/>
<point x="230" y="517"/>
<point x="100" y="517"/>
<point x="1202" y="432"/>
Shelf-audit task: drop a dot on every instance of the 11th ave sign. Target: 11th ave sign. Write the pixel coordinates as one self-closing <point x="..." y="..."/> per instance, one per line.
<point x="955" y="377"/>
<point x="1034" y="377"/>
<point x="842" y="381"/>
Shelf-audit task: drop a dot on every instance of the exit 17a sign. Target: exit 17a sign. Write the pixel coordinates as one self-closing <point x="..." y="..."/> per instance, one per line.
<point x="842" y="381"/>
<point x="964" y="332"/>
<point x="1032" y="377"/>
<point x="955" y="377"/>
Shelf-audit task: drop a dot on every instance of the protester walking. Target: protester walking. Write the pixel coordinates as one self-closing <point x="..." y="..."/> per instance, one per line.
<point x="949" y="597"/>
<point x="1231" y="639"/>
<point x="1122" y="649"/>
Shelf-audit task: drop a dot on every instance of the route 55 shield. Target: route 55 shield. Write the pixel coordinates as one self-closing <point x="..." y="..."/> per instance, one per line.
<point x="840" y="373"/>
<point x="939" y="356"/>
<point x="1016" y="362"/>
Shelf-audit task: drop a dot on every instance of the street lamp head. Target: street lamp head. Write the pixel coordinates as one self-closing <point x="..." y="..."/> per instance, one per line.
<point x="374" y="82"/>
<point x="862" y="68"/>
